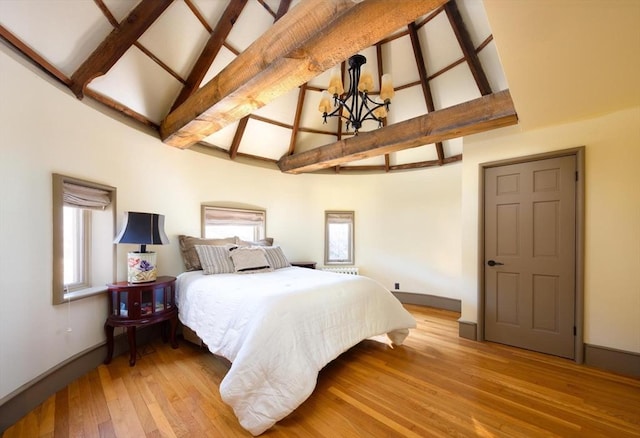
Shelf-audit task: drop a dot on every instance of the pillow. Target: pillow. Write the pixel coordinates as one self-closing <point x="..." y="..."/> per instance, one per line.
<point x="215" y="259"/>
<point x="189" y="254"/>
<point x="267" y="241"/>
<point x="250" y="260"/>
<point x="275" y="257"/>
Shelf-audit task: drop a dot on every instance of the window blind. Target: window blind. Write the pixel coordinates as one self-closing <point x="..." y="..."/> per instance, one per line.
<point x="340" y="218"/>
<point x="218" y="216"/>
<point x="75" y="195"/>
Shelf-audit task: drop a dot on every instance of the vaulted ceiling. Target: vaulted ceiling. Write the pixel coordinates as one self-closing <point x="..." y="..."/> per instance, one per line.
<point x="242" y="78"/>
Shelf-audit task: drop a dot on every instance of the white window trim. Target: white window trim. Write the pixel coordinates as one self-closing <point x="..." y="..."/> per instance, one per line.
<point x="84" y="293"/>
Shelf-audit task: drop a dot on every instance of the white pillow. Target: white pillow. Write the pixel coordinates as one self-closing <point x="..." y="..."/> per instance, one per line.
<point x="250" y="260"/>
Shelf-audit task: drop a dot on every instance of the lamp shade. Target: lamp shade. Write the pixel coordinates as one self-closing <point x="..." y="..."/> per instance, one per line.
<point x="142" y="229"/>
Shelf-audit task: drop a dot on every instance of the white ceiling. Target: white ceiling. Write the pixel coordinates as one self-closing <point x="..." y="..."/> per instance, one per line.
<point x="561" y="59"/>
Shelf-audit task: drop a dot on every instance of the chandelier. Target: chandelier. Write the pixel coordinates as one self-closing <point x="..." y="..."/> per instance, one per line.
<point x="356" y="105"/>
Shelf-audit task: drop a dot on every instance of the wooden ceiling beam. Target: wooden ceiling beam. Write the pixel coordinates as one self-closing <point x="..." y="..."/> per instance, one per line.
<point x="387" y="159"/>
<point x="33" y="56"/>
<point x="429" y="163"/>
<point x="482" y="114"/>
<point x="283" y="8"/>
<point x="237" y="138"/>
<point x="201" y="18"/>
<point x="211" y="49"/>
<point x="117" y="43"/>
<point x="422" y="67"/>
<point x="466" y="44"/>
<point x="120" y="108"/>
<point x="313" y="37"/>
<point x="406" y="166"/>
<point x="296" y="119"/>
<point x="424" y="80"/>
<point x="107" y="13"/>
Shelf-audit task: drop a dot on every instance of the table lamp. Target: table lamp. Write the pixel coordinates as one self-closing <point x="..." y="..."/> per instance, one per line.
<point x="142" y="229"/>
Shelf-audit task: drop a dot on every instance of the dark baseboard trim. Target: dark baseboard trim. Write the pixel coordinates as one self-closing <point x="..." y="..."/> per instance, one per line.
<point x="468" y="330"/>
<point x="23" y="400"/>
<point x="610" y="359"/>
<point x="428" y="300"/>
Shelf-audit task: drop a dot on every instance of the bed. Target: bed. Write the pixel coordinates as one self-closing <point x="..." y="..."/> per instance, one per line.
<point x="280" y="327"/>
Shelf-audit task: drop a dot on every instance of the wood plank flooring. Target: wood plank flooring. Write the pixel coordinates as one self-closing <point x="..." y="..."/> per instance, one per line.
<point x="436" y="385"/>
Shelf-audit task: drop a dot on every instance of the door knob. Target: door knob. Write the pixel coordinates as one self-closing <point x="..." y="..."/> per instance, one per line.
<point x="494" y="263"/>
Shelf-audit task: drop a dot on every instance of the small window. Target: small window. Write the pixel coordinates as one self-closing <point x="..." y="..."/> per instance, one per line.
<point x="84" y="255"/>
<point x="221" y="222"/>
<point x="338" y="244"/>
<point x="76" y="236"/>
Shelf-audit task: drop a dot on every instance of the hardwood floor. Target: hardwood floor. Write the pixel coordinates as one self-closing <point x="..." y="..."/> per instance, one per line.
<point x="436" y="385"/>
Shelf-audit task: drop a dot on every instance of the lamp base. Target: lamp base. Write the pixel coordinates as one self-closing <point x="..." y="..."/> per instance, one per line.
<point x="141" y="267"/>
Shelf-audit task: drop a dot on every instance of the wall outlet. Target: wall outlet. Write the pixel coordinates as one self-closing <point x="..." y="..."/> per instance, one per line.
<point x="396" y="286"/>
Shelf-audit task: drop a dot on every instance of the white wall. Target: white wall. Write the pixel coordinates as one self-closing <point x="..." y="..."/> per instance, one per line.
<point x="416" y="228"/>
<point x="407" y="224"/>
<point x="612" y="217"/>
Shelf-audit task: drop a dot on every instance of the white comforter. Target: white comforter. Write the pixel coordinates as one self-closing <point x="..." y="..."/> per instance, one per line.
<point x="280" y="328"/>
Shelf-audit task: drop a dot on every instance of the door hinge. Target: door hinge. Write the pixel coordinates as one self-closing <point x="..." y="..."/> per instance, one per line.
<point x="577" y="179"/>
<point x="575" y="331"/>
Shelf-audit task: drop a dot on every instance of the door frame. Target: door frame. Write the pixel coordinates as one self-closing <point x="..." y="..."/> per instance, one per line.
<point x="579" y="153"/>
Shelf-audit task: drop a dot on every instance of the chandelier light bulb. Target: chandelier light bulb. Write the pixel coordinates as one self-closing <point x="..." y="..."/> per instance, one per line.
<point x="386" y="88"/>
<point x="335" y="83"/>
<point x="366" y="81"/>
<point x="325" y="103"/>
<point x="381" y="111"/>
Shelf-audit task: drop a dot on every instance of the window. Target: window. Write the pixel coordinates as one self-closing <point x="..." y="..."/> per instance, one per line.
<point x="84" y="255"/>
<point x="338" y="243"/>
<point x="76" y="232"/>
<point x="221" y="222"/>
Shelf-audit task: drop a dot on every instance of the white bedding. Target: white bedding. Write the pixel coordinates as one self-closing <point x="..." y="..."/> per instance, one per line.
<point x="280" y="328"/>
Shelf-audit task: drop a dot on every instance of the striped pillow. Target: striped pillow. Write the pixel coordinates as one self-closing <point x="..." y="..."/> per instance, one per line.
<point x="189" y="253"/>
<point x="276" y="257"/>
<point x="215" y="259"/>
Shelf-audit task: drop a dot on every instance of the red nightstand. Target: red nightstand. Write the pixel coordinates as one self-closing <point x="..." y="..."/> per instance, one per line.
<point x="140" y="304"/>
